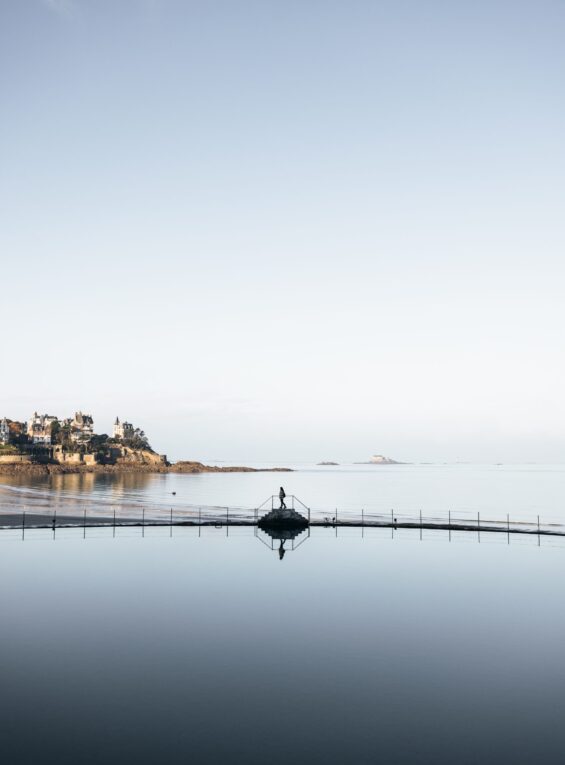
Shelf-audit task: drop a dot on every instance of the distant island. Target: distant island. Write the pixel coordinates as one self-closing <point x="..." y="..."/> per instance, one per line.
<point x="198" y="467"/>
<point x="48" y="444"/>
<point x="328" y="463"/>
<point x="378" y="459"/>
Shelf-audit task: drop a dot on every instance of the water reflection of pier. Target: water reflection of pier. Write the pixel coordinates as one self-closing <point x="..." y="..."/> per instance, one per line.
<point x="269" y="536"/>
<point x="277" y="544"/>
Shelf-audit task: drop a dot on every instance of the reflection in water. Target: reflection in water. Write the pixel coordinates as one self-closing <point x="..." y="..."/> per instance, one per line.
<point x="73" y="484"/>
<point x="268" y="536"/>
<point x="78" y="483"/>
<point x="30" y="532"/>
<point x="96" y="493"/>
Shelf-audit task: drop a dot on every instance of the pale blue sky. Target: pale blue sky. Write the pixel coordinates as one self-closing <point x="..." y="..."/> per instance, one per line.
<point x="287" y="230"/>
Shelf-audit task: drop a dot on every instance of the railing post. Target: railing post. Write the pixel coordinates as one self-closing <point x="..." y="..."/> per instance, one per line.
<point x="23" y="524"/>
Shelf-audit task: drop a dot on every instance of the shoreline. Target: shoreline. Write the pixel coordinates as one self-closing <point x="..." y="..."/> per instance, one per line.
<point x="181" y="467"/>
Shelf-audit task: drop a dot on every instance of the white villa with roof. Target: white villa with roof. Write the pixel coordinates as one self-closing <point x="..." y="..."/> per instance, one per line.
<point x="39" y="428"/>
<point x="123" y="430"/>
<point x="82" y="427"/>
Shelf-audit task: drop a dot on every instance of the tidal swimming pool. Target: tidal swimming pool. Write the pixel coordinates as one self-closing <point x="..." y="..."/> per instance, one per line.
<point x="210" y="648"/>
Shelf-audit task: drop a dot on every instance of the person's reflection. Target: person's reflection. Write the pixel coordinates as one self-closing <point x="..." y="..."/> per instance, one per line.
<point x="281" y="549"/>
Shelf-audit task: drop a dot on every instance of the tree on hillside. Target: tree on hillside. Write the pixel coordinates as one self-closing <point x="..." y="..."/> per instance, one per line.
<point x="61" y="435"/>
<point x="55" y="430"/>
<point x="18" y="435"/>
<point x="137" y="441"/>
<point x="99" y="441"/>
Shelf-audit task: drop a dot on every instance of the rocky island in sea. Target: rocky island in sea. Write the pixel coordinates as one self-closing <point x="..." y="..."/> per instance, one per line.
<point x="49" y="444"/>
<point x="379" y="459"/>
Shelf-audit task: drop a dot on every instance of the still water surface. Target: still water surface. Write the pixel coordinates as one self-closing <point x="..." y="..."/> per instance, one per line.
<point x="210" y="649"/>
<point x="523" y="491"/>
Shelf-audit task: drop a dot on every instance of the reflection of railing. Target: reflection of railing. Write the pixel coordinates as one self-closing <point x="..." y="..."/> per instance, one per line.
<point x="269" y="541"/>
<point x="70" y="515"/>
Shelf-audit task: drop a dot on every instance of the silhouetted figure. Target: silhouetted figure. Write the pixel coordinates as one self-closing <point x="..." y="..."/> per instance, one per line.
<point x="282" y="495"/>
<point x="174" y="493"/>
<point x="53" y="522"/>
<point x="281" y="550"/>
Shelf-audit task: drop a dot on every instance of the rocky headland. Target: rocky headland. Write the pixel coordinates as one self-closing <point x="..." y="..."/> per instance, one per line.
<point x="47" y="444"/>
<point x="127" y="466"/>
<point x="198" y="467"/>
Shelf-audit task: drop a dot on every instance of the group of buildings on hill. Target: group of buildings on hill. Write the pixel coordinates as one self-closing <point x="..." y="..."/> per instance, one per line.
<point x="72" y="441"/>
<point x="42" y="428"/>
<point x="45" y="430"/>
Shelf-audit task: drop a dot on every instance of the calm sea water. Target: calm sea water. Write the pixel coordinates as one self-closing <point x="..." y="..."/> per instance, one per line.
<point x="523" y="491"/>
<point x="209" y="648"/>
